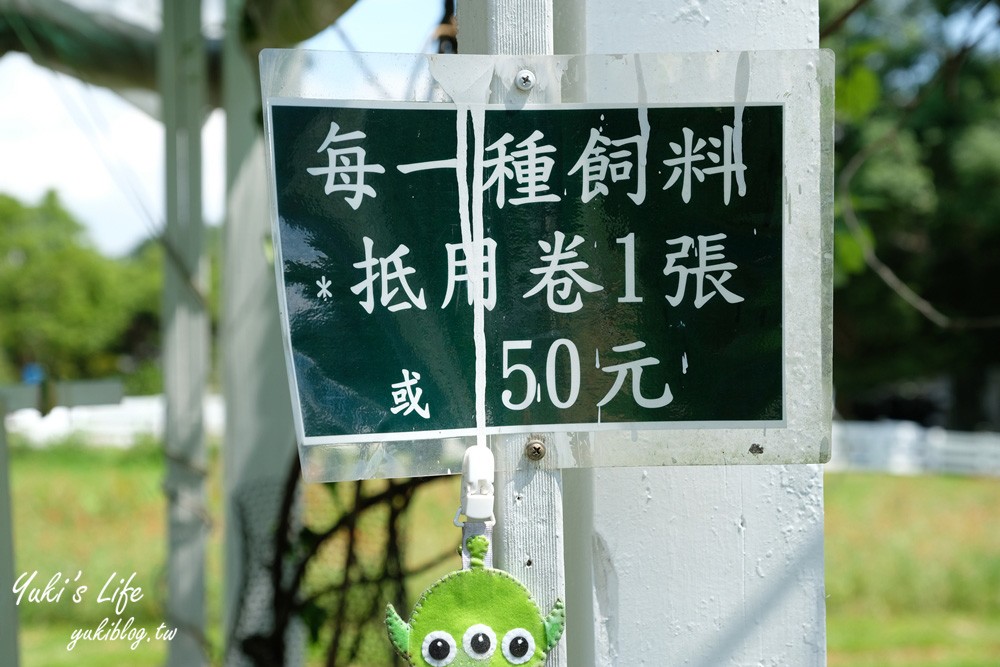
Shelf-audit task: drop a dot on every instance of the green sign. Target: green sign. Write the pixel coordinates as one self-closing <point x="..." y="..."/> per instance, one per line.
<point x="446" y="268"/>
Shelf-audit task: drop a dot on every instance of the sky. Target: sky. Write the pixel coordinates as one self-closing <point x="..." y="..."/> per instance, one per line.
<point x="104" y="157"/>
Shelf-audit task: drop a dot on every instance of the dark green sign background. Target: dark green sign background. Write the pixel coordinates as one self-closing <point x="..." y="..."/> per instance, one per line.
<point x="722" y="361"/>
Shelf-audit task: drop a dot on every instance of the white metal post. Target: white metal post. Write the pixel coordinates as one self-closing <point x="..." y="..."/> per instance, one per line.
<point x="700" y="566"/>
<point x="259" y="443"/>
<point x="182" y="66"/>
<point x="529" y="530"/>
<point x="687" y="565"/>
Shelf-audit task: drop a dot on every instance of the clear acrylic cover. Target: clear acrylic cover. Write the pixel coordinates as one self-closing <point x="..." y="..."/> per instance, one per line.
<point x="764" y="397"/>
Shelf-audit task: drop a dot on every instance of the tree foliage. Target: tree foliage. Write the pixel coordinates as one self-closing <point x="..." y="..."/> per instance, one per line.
<point x="65" y="306"/>
<point x="918" y="196"/>
<point x="52" y="288"/>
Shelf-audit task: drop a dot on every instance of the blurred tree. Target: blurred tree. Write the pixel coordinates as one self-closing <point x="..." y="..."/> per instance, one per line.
<point x="74" y="312"/>
<point x="917" y="236"/>
<point x="64" y="305"/>
<point x="138" y="347"/>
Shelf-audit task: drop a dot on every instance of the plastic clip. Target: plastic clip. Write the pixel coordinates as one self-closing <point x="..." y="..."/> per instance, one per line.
<point x="478" y="473"/>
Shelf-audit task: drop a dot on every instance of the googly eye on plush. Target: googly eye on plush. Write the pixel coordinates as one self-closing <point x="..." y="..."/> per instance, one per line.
<point x="480" y="642"/>
<point x="439" y="648"/>
<point x="518" y="646"/>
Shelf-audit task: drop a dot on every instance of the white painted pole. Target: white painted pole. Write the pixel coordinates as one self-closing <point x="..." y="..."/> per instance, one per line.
<point x="529" y="531"/>
<point x="185" y="354"/>
<point x="701" y="566"/>
<point x="259" y="443"/>
<point x="698" y="566"/>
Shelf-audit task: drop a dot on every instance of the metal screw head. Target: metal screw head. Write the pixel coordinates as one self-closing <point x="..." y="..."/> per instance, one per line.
<point x="535" y="449"/>
<point x="525" y="80"/>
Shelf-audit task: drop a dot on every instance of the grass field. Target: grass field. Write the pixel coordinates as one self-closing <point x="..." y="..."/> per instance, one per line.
<point x="99" y="514"/>
<point x="913" y="564"/>
<point x="912" y="571"/>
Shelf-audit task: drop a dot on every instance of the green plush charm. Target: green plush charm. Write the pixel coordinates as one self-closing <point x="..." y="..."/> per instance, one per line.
<point x="476" y="618"/>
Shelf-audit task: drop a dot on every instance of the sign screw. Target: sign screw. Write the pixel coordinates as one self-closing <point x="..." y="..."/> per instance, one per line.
<point x="535" y="449"/>
<point x="525" y="80"/>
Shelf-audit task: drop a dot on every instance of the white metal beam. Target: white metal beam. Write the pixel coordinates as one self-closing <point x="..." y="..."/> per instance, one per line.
<point x="529" y="530"/>
<point x="186" y="331"/>
<point x="688" y="565"/>
<point x="699" y="566"/>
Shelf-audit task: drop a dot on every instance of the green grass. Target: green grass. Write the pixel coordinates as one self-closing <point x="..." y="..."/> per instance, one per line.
<point x="913" y="563"/>
<point x="912" y="571"/>
<point x="99" y="513"/>
<point x="930" y="639"/>
<point x="45" y="644"/>
<point x="96" y="513"/>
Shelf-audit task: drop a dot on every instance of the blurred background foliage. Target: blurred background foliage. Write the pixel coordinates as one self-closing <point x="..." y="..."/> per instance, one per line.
<point x="917" y="231"/>
<point x="75" y="312"/>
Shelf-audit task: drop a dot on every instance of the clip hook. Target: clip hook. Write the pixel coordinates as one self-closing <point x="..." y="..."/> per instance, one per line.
<point x="478" y="473"/>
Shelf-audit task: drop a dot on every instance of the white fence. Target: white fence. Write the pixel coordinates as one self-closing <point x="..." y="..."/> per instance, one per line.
<point x="905" y="448"/>
<point x="116" y="425"/>
<point x="901" y="448"/>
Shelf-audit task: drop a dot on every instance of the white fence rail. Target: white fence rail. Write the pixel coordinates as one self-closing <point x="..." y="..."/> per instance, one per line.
<point x="116" y="425"/>
<point x="901" y="448"/>
<point x="905" y="448"/>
